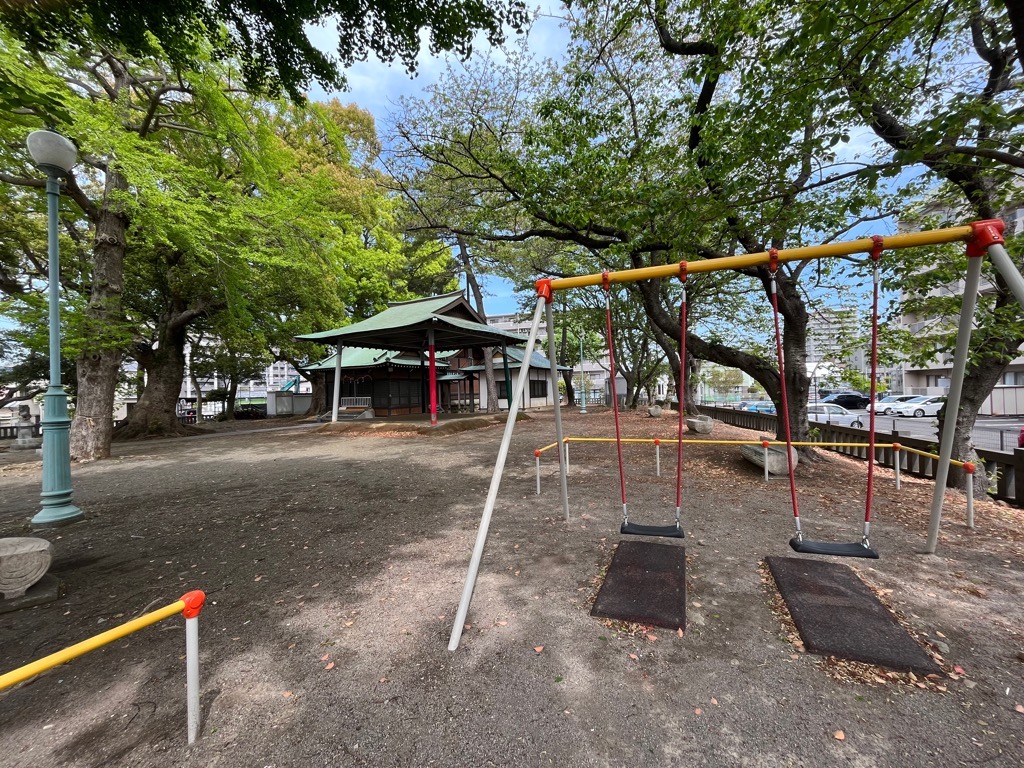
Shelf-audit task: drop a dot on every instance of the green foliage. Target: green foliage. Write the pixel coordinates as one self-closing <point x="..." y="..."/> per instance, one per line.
<point x="271" y="40"/>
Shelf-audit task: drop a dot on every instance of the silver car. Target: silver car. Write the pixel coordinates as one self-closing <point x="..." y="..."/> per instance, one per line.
<point x="829" y="413"/>
<point x="887" y="405"/>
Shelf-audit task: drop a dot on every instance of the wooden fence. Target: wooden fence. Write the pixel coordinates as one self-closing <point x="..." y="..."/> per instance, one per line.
<point x="1002" y="468"/>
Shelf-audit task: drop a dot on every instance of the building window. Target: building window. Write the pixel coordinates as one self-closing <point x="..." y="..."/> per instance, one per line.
<point x="538" y="388"/>
<point x="502" y="389"/>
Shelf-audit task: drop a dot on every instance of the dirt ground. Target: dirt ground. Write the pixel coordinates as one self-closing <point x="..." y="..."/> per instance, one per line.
<point x="334" y="563"/>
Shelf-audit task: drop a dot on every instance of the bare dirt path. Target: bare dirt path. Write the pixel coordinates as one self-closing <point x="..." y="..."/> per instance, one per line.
<point x="334" y="564"/>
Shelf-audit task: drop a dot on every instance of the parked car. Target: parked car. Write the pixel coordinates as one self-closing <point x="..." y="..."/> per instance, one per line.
<point x="923" y="405"/>
<point x="887" y="405"/>
<point x="761" y="406"/>
<point x="830" y="413"/>
<point x="851" y="400"/>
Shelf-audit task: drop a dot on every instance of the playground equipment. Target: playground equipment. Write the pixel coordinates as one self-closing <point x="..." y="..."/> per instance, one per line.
<point x="981" y="237"/>
<point x="190" y="605"/>
<point x="635" y="529"/>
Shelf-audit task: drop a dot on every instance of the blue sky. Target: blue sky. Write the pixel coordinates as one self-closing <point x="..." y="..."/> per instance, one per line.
<point x="377" y="87"/>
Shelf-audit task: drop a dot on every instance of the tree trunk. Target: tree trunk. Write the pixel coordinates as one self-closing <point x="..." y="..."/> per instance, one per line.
<point x="692" y="372"/>
<point x="478" y="300"/>
<point x="318" y="400"/>
<point x="563" y="360"/>
<point x="229" y="403"/>
<point x="155" y="414"/>
<point x="100" y="363"/>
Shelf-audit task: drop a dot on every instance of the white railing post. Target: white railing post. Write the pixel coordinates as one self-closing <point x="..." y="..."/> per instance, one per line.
<point x="896" y="461"/>
<point x="537" y="455"/>
<point x="969" y="470"/>
<point x="193" y="606"/>
<point x="657" y="458"/>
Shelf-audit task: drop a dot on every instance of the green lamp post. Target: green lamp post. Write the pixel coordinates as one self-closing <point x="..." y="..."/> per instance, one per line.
<point x="55" y="155"/>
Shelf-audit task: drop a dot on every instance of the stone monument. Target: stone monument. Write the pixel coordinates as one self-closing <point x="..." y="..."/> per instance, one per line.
<point x="25" y="441"/>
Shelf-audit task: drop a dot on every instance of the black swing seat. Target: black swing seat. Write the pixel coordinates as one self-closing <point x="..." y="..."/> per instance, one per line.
<point x="665" y="531"/>
<point x="854" y="549"/>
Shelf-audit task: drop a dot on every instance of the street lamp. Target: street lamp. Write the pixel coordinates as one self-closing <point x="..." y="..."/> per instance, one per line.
<point x="55" y="155"/>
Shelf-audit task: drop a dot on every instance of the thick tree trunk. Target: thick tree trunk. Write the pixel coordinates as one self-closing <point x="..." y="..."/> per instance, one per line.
<point x="692" y="372"/>
<point x="318" y="401"/>
<point x="155" y="414"/>
<point x="100" y="363"/>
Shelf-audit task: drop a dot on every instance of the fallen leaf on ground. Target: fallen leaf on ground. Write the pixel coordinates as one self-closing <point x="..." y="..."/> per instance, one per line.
<point x="325" y="657"/>
<point x="1019" y="708"/>
<point x="679" y="631"/>
<point x="539" y="648"/>
<point x="652" y="638"/>
<point x="714" y="701"/>
<point x="287" y="694"/>
<point x="698" y="711"/>
<point x="839" y="736"/>
<point x="330" y="666"/>
<point x="502" y="623"/>
<point x="634" y="657"/>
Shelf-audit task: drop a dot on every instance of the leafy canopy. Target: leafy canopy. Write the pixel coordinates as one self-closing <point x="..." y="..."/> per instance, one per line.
<point x="270" y="39"/>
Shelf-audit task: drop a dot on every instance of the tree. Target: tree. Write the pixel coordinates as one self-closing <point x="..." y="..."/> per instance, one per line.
<point x="591" y="156"/>
<point x="723" y="380"/>
<point x="939" y="84"/>
<point x="271" y="40"/>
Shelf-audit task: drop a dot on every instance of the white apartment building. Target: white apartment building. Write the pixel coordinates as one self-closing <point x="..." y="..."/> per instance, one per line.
<point x="932" y="378"/>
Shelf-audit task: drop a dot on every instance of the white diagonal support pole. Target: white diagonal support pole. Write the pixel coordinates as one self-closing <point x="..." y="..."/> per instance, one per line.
<point x="956" y="385"/>
<point x="492" y="491"/>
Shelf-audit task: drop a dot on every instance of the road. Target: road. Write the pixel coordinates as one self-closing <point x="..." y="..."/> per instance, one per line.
<point x="992" y="433"/>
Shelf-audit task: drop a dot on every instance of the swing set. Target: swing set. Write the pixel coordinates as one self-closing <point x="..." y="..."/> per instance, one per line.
<point x="981" y="237"/>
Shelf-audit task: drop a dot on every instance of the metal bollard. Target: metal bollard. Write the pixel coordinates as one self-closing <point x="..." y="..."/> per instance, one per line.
<point x="536" y="454"/>
<point x="566" y="444"/>
<point x="657" y="457"/>
<point x="764" y="444"/>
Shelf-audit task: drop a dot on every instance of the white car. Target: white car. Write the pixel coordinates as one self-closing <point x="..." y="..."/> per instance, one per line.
<point x="923" y="405"/>
<point x="888" y="405"/>
<point x="830" y="413"/>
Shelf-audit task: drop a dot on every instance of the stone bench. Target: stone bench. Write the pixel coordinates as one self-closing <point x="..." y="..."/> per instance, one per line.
<point x="702" y="425"/>
<point x="777" y="464"/>
<point x="23" y="562"/>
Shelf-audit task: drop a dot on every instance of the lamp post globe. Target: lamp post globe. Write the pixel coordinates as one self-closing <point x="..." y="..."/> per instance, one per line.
<point x="56" y="156"/>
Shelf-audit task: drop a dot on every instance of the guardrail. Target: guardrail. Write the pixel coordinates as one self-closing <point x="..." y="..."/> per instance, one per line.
<point x="1002" y="469"/>
<point x="895" y="450"/>
<point x="190" y="605"/>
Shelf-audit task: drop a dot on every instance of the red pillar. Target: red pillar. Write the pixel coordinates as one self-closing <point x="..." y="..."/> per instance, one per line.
<point x="433" y="380"/>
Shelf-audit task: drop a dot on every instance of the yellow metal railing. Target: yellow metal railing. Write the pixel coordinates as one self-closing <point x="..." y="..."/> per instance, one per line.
<point x="190" y="604"/>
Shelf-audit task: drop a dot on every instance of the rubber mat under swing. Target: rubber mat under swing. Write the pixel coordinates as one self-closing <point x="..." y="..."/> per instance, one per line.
<point x="645" y="583"/>
<point x="838" y="615"/>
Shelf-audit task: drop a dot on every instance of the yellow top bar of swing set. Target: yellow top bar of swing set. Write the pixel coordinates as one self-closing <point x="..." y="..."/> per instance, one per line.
<point x="746" y="261"/>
